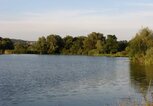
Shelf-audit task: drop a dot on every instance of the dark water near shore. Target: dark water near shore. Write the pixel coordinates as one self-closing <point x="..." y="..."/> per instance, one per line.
<point x="41" y="80"/>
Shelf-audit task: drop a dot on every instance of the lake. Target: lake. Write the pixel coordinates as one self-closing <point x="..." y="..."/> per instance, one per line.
<point x="45" y="80"/>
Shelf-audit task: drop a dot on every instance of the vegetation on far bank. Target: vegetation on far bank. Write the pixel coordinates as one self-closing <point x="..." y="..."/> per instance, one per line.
<point x="93" y="44"/>
<point x="139" y="49"/>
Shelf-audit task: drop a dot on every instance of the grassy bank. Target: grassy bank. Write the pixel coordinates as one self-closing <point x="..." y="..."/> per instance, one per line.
<point x="119" y="54"/>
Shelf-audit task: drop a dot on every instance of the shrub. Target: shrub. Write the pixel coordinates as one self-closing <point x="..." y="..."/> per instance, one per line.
<point x="149" y="56"/>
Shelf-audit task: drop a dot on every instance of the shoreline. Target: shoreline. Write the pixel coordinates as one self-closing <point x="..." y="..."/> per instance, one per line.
<point x="95" y="55"/>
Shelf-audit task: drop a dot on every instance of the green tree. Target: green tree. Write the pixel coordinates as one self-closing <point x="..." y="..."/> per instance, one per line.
<point x="122" y="45"/>
<point x="21" y="48"/>
<point x="33" y="49"/>
<point x="41" y="45"/>
<point x="6" y="44"/>
<point x="111" y="45"/>
<point x="140" y="44"/>
<point x="77" y="46"/>
<point x="91" y="41"/>
<point x="68" y="42"/>
<point x="100" y="46"/>
<point x="54" y="44"/>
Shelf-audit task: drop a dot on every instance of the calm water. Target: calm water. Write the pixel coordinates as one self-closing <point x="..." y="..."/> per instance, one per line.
<point x="40" y="80"/>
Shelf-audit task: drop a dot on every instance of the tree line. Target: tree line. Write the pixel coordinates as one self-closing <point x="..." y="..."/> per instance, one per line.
<point x="139" y="49"/>
<point x="94" y="43"/>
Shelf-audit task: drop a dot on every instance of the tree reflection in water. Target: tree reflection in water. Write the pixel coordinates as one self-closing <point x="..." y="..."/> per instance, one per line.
<point x="142" y="81"/>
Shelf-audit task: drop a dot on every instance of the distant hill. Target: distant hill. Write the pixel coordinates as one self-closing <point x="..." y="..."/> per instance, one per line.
<point x="22" y="41"/>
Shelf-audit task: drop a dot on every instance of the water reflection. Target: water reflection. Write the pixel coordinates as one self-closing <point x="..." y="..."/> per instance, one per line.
<point x="142" y="80"/>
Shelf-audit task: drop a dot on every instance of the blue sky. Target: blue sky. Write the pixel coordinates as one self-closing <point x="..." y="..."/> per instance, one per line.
<point x="30" y="19"/>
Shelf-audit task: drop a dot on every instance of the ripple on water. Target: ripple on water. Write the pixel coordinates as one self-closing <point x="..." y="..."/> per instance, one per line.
<point x="68" y="80"/>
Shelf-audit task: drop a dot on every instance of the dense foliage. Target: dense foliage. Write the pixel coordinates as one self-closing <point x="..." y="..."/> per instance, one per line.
<point x="93" y="44"/>
<point x="5" y="44"/>
<point x="141" y="47"/>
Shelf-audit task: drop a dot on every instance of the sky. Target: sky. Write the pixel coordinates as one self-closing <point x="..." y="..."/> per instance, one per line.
<point x="30" y="19"/>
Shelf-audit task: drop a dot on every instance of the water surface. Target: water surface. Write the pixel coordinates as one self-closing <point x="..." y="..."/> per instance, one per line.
<point x="41" y="80"/>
